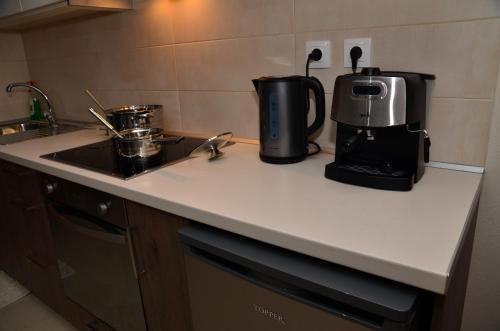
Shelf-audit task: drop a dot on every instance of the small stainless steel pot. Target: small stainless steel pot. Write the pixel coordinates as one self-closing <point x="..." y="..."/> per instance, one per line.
<point x="143" y="142"/>
<point x="135" y="116"/>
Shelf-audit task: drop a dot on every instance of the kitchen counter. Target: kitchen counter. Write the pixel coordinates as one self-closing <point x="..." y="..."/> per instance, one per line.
<point x="411" y="237"/>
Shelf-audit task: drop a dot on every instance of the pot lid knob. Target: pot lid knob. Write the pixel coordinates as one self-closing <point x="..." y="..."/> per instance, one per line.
<point x="211" y="146"/>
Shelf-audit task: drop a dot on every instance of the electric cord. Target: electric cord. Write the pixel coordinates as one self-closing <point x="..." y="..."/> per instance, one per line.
<point x="318" y="148"/>
<point x="315" y="55"/>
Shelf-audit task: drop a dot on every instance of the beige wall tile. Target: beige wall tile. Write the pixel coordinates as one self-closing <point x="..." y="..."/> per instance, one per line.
<point x="168" y="99"/>
<point x="196" y="20"/>
<point x="149" y="24"/>
<point x="459" y="130"/>
<point x="230" y="65"/>
<point x="151" y="68"/>
<point x="13" y="68"/>
<point x="318" y="15"/>
<point x="223" y="44"/>
<point x="428" y="11"/>
<point x="57" y="41"/>
<point x="16" y="104"/>
<point x="11" y="47"/>
<point x="64" y="80"/>
<point x="216" y="112"/>
<point x="15" y="107"/>
<point x="460" y="54"/>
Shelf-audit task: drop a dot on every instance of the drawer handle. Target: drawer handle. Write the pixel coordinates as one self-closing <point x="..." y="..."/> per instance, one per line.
<point x="35" y="262"/>
<point x="25" y="206"/>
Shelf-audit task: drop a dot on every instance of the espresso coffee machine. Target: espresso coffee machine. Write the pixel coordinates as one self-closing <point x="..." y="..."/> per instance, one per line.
<point x="382" y="140"/>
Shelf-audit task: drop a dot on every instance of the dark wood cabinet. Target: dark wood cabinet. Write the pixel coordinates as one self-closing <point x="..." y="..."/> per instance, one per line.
<point x="11" y="252"/>
<point x="27" y="246"/>
<point x="159" y="263"/>
<point x="27" y="253"/>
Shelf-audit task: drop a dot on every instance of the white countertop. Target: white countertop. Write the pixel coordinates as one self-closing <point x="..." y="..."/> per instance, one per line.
<point x="411" y="237"/>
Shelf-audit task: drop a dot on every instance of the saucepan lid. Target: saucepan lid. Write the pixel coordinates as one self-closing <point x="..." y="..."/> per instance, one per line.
<point x="212" y="146"/>
<point x="133" y="109"/>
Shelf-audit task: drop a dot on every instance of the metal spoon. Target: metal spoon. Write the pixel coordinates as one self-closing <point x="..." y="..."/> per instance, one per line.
<point x="106" y="123"/>
<point x="95" y="100"/>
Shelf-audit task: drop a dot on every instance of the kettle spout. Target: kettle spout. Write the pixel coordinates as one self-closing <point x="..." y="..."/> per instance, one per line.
<point x="256" y="84"/>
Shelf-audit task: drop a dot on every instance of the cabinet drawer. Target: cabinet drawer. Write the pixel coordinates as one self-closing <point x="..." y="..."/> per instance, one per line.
<point x="21" y="184"/>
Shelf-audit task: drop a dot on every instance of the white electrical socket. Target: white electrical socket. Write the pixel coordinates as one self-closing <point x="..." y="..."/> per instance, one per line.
<point x="366" y="57"/>
<point x="324" y="47"/>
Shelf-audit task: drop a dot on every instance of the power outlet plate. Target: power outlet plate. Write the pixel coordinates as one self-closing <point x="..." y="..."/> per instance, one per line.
<point x="325" y="48"/>
<point x="366" y="57"/>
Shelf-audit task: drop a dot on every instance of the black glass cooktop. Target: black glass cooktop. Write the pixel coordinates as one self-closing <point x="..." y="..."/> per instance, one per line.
<point x="103" y="157"/>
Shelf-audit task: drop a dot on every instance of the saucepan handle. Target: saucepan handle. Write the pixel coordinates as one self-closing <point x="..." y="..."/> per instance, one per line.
<point x="168" y="140"/>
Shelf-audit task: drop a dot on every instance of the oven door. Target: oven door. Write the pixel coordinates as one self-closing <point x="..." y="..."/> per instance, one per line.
<point x="97" y="268"/>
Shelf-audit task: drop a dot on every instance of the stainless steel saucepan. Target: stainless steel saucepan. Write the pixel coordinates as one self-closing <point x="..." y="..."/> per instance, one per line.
<point x="139" y="142"/>
<point x="132" y="116"/>
<point x="143" y="142"/>
<point x="135" y="116"/>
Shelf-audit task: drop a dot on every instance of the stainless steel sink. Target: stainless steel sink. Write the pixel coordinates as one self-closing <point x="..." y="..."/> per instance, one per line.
<point x="23" y="130"/>
<point x="21" y="127"/>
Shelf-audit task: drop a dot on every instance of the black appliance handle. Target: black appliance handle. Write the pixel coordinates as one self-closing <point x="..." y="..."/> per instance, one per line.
<point x="315" y="85"/>
<point x="59" y="216"/>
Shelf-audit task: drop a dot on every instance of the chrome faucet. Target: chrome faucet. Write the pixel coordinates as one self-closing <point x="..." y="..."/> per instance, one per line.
<point x="49" y="114"/>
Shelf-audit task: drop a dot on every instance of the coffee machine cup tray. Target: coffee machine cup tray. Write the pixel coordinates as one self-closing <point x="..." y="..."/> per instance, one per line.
<point x="370" y="176"/>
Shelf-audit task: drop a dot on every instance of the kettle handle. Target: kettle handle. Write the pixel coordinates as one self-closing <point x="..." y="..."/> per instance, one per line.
<point x="319" y="95"/>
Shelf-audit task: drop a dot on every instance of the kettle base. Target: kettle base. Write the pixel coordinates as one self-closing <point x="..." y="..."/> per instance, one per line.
<point x="281" y="160"/>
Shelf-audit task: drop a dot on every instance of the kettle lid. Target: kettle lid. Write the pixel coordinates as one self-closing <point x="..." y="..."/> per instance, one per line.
<point x="280" y="78"/>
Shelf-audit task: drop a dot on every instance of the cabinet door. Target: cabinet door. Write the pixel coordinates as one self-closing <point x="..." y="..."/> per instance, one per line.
<point x="32" y="4"/>
<point x="11" y="224"/>
<point x="31" y="256"/>
<point x="9" y="7"/>
<point x="160" y="267"/>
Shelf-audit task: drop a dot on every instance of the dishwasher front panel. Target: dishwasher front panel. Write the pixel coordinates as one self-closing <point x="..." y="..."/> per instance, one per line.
<point x="239" y="283"/>
<point x="221" y="301"/>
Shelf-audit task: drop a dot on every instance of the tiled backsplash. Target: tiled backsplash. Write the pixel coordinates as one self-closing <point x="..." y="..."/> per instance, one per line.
<point x="197" y="58"/>
<point x="13" y="68"/>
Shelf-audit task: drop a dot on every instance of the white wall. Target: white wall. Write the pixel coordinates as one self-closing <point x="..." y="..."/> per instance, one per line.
<point x="482" y="307"/>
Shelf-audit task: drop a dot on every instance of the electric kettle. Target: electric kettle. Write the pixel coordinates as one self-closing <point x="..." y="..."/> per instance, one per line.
<point x="283" y="109"/>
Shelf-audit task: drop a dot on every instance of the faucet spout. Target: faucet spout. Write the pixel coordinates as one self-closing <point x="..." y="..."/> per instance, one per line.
<point x="49" y="114"/>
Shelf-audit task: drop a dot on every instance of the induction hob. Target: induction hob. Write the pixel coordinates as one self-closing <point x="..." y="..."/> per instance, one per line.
<point x="103" y="157"/>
